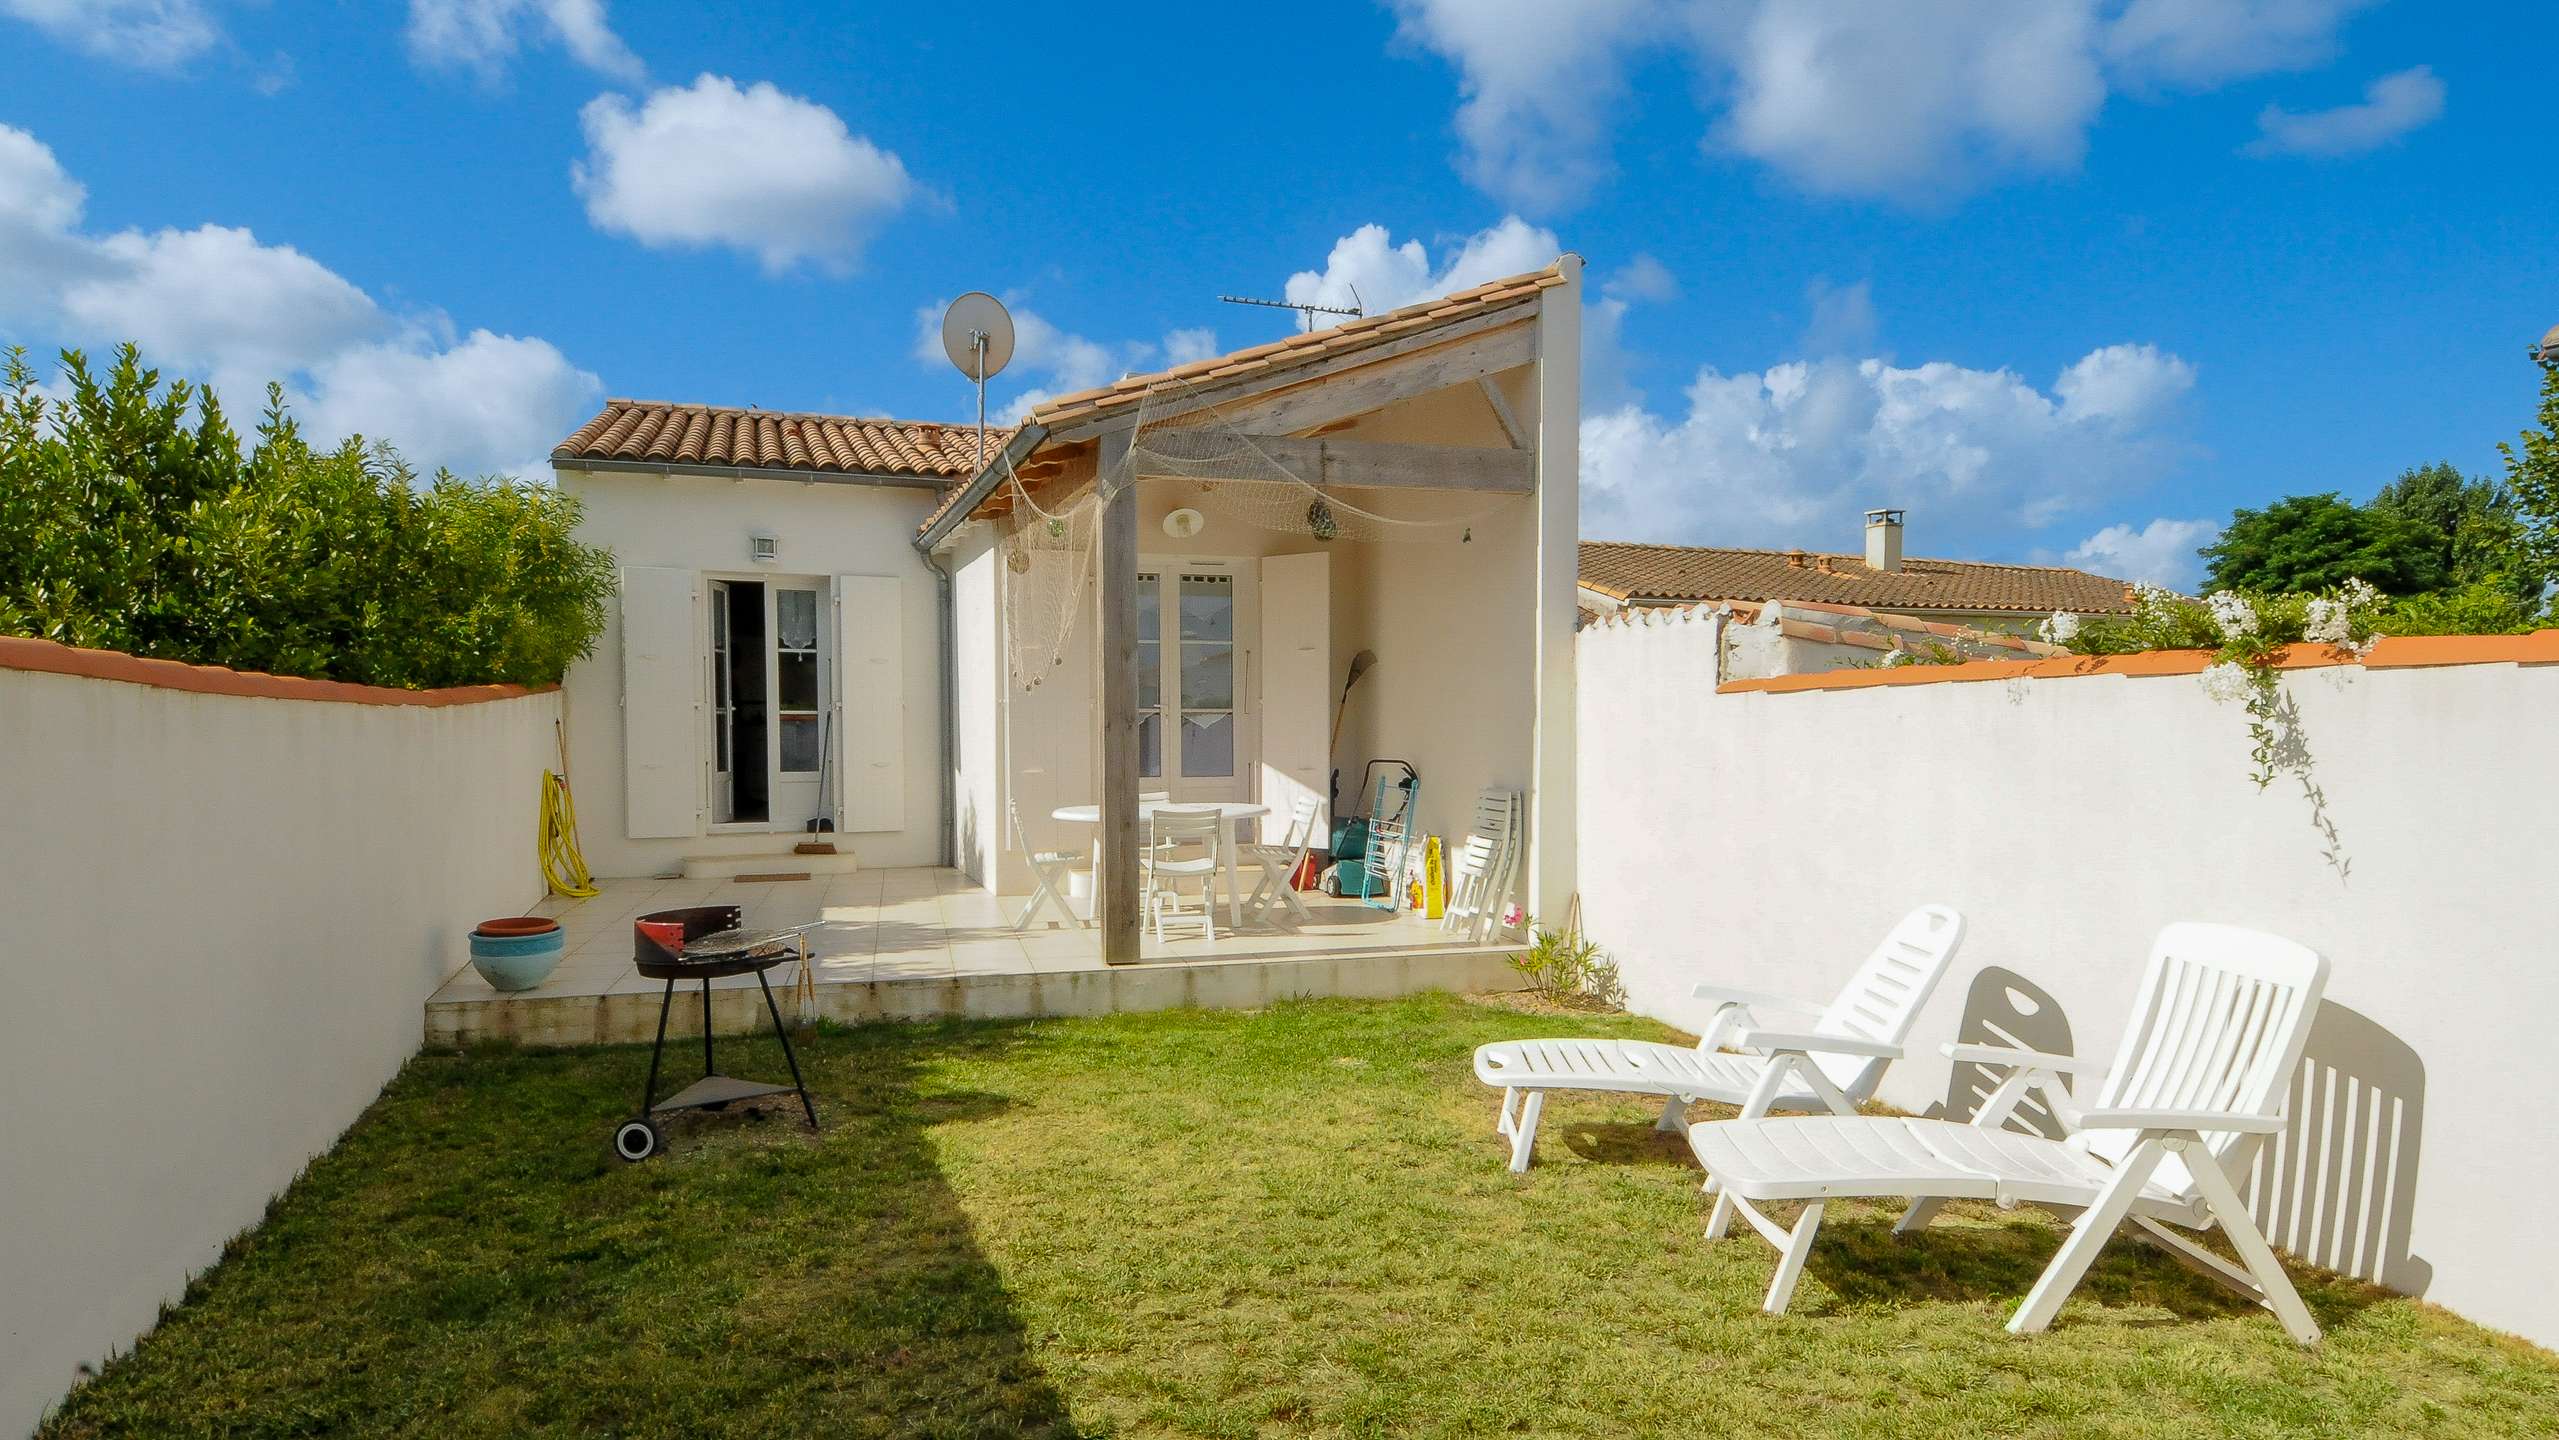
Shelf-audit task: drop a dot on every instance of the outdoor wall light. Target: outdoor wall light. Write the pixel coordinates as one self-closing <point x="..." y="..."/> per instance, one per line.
<point x="764" y="549"/>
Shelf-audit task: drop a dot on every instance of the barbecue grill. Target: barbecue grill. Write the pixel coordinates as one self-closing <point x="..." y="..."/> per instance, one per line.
<point x="713" y="944"/>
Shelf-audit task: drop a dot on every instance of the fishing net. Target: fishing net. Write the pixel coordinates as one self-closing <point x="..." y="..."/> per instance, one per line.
<point x="1185" y="444"/>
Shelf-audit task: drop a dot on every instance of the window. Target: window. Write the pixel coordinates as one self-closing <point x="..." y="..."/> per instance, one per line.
<point x="1208" y="676"/>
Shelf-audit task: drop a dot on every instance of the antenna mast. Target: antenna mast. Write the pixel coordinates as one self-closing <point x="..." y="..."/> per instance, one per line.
<point x="1308" y="310"/>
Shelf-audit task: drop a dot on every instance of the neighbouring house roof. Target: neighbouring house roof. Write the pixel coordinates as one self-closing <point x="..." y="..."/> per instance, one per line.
<point x="1850" y="625"/>
<point x="730" y="437"/>
<point x="1638" y="574"/>
<point x="1276" y="358"/>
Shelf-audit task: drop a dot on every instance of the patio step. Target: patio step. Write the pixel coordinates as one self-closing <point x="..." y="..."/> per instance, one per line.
<point x="780" y="862"/>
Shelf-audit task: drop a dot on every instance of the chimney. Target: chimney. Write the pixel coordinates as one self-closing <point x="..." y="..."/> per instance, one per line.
<point x="1883" y="539"/>
<point x="1794" y="559"/>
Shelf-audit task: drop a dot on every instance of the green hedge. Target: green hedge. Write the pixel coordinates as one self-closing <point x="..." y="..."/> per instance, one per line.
<point x="134" y="518"/>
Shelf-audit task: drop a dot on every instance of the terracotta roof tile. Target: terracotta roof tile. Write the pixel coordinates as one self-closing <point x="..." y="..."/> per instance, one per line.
<point x="731" y="437"/>
<point x="1687" y="574"/>
<point x="1302" y="348"/>
<point x="1306" y="347"/>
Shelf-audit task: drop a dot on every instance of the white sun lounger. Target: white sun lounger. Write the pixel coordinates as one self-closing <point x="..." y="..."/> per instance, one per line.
<point x="1834" y="1065"/>
<point x="2200" y="1081"/>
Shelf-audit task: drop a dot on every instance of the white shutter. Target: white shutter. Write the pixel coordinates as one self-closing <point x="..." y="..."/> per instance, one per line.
<point x="662" y="752"/>
<point x="1296" y="681"/>
<point x="870" y="683"/>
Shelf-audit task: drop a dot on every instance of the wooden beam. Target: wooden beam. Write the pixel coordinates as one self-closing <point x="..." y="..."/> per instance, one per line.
<point x="1502" y="411"/>
<point x="1115" y="888"/>
<point x="1516" y="323"/>
<point x="1369" y="464"/>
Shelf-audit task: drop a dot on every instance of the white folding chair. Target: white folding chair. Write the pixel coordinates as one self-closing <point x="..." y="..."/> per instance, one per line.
<point x="1480" y="877"/>
<point x="1182" y="846"/>
<point x="1048" y="874"/>
<point x="1280" y="863"/>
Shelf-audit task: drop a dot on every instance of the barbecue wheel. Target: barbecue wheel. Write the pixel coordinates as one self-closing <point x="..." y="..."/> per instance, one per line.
<point x="637" y="1140"/>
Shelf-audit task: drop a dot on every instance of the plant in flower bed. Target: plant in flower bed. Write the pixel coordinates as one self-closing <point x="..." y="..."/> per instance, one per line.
<point x="134" y="517"/>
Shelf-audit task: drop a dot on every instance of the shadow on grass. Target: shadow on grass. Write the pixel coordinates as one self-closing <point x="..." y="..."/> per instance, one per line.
<point x="1997" y="1257"/>
<point x="470" y="1260"/>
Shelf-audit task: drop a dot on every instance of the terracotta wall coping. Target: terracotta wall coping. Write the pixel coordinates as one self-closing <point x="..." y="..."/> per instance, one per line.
<point x="2393" y="652"/>
<point x="47" y="657"/>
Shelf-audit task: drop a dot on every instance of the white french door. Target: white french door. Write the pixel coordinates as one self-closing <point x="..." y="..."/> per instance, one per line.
<point x="769" y="684"/>
<point x="1194" y="730"/>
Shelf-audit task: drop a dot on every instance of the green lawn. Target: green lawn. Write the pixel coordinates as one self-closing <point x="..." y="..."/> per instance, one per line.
<point x="1294" y="1222"/>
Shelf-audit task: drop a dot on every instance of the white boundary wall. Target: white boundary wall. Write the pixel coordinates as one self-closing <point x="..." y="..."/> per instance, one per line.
<point x="1767" y="840"/>
<point x="223" y="917"/>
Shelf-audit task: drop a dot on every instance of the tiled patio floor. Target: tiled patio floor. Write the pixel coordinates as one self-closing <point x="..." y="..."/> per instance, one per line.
<point x="921" y="943"/>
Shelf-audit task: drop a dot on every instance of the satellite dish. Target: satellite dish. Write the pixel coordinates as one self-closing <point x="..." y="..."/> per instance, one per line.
<point x="977" y="331"/>
<point x="1184" y="523"/>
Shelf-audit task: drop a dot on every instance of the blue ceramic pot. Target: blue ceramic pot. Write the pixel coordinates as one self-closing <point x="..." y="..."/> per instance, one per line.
<point x="517" y="962"/>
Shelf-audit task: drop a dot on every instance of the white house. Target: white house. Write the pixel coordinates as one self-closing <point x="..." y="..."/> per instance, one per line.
<point x="814" y="611"/>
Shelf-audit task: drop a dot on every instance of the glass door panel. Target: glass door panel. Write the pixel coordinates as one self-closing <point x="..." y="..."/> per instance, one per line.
<point x="795" y="656"/>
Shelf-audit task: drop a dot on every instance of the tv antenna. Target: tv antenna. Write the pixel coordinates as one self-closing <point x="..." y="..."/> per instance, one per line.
<point x="977" y="333"/>
<point x="1305" y="309"/>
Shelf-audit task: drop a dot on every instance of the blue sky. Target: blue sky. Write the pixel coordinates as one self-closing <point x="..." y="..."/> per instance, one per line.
<point x="2066" y="278"/>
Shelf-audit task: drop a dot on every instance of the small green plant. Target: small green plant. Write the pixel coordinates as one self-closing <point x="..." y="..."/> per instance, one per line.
<point x="1565" y="967"/>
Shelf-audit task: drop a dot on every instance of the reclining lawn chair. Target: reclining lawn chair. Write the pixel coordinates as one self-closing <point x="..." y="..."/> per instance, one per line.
<point x="2198" y="1084"/>
<point x="1833" y="1066"/>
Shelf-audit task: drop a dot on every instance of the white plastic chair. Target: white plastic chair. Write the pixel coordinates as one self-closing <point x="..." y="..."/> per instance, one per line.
<point x="1183" y="846"/>
<point x="2199" y="1082"/>
<point x="1835" y="1065"/>
<point x="1048" y="874"/>
<point x="1480" y="873"/>
<point x="1280" y="863"/>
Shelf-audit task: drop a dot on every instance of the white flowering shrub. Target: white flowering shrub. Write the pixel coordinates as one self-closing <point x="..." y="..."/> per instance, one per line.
<point x="2058" y="628"/>
<point x="2247" y="634"/>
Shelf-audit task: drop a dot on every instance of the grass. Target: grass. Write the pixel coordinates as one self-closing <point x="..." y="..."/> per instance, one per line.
<point x="1203" y="1224"/>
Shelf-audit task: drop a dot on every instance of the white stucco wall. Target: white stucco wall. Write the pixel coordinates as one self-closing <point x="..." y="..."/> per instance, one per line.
<point x="223" y="916"/>
<point x="704" y="523"/>
<point x="1766" y="840"/>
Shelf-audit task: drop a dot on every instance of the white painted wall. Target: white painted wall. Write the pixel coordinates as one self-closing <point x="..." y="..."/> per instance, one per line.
<point x="223" y="916"/>
<point x="1766" y="840"/>
<point x="1454" y="622"/>
<point x="704" y="523"/>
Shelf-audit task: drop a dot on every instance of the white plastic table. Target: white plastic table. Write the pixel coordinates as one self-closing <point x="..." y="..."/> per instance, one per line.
<point x="1228" y="813"/>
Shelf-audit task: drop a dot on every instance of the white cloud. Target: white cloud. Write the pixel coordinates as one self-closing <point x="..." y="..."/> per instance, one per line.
<point x="2122" y="385"/>
<point x="1642" y="278"/>
<point x="1537" y="87"/>
<point x="2206" y="42"/>
<point x="774" y="175"/>
<point x="148" y="34"/>
<point x="1789" y="456"/>
<point x="1367" y="268"/>
<point x="1843" y="317"/>
<point x="2159" y="553"/>
<point x="501" y="401"/>
<point x="1181" y="347"/>
<point x="217" y="303"/>
<point x="482" y="36"/>
<point x="1917" y="101"/>
<point x="2392" y="106"/>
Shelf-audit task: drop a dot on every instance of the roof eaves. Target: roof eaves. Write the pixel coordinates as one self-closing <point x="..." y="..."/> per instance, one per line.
<point x="963" y="500"/>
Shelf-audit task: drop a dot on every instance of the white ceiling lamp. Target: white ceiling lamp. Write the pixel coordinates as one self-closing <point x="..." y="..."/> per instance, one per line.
<point x="1184" y="523"/>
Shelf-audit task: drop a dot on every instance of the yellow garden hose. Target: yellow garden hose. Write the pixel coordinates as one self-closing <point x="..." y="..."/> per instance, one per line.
<point x="563" y="865"/>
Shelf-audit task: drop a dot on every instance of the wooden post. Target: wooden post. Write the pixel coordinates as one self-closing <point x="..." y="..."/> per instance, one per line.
<point x="1116" y="887"/>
